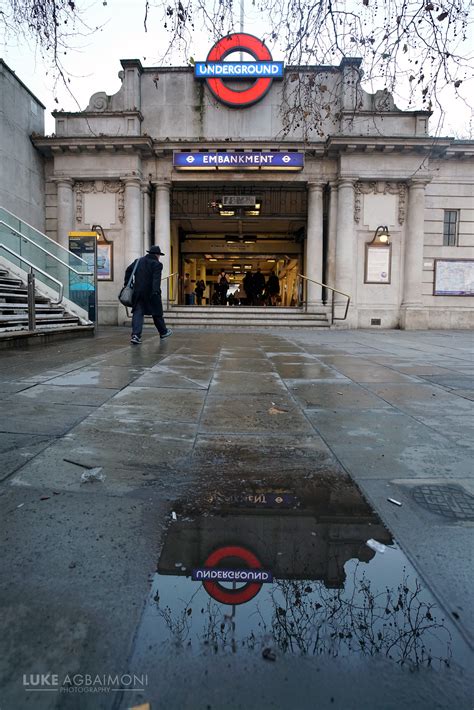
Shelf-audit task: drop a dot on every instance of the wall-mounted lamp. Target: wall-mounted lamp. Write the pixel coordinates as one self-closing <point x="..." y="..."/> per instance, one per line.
<point x="381" y="237"/>
<point x="100" y="233"/>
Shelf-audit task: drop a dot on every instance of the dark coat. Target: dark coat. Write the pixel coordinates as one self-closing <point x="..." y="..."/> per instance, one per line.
<point x="258" y="282"/>
<point x="273" y="285"/>
<point x="147" y="289"/>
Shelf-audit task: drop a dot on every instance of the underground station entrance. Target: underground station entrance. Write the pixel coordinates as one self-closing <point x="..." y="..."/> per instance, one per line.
<point x="239" y="230"/>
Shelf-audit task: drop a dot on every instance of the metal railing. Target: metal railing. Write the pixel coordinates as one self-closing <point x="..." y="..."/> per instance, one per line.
<point x="304" y="297"/>
<point x="170" y="288"/>
<point x="30" y="288"/>
<point x="36" y="268"/>
<point x="45" y="251"/>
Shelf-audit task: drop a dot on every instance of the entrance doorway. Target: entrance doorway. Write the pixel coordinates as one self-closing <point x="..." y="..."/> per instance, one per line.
<point x="246" y="230"/>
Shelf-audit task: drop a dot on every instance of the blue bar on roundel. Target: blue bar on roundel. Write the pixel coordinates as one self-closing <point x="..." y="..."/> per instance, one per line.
<point x="238" y="70"/>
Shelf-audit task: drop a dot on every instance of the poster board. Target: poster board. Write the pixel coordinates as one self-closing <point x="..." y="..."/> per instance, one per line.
<point x="105" y="261"/>
<point x="84" y="245"/>
<point x="378" y="264"/>
<point x="453" y="277"/>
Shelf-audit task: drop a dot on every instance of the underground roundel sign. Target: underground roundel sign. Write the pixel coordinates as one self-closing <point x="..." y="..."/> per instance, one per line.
<point x="260" y="72"/>
<point x="217" y="572"/>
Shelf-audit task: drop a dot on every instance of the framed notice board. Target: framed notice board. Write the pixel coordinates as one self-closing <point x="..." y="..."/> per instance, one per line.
<point x="378" y="264"/>
<point x="453" y="277"/>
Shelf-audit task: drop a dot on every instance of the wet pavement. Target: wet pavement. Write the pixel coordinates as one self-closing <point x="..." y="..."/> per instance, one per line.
<point x="237" y="547"/>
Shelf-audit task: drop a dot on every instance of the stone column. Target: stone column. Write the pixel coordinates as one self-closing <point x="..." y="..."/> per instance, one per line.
<point x="314" y="244"/>
<point x="412" y="315"/>
<point x="345" y="241"/>
<point x="332" y="236"/>
<point x="65" y="211"/>
<point x="147" y="241"/>
<point x="163" y="223"/>
<point x="133" y="220"/>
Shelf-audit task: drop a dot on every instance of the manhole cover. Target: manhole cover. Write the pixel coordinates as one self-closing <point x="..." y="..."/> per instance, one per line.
<point x="451" y="501"/>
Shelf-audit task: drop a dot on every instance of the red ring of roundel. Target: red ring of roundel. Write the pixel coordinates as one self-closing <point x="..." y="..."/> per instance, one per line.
<point x="239" y="42"/>
<point x="232" y="596"/>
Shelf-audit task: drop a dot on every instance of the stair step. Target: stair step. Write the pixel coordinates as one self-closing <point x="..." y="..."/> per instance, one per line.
<point x="22" y="296"/>
<point x="38" y="308"/>
<point x="4" y="281"/>
<point x="40" y="317"/>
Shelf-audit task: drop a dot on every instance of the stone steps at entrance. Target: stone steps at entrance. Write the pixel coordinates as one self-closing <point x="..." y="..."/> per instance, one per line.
<point x="243" y="316"/>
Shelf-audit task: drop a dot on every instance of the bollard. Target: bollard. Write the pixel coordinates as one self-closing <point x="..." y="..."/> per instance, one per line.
<point x="31" y="301"/>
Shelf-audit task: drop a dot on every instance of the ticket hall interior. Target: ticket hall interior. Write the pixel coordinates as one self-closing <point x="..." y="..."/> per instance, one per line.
<point x="238" y="229"/>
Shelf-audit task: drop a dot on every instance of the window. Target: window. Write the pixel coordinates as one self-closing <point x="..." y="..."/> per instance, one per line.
<point x="450" y="228"/>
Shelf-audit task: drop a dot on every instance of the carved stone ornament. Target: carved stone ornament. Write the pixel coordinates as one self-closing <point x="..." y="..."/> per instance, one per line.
<point x="380" y="188"/>
<point x="117" y="187"/>
<point x="98" y="102"/>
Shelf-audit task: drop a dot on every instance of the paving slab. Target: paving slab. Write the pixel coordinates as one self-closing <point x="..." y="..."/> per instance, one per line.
<point x="112" y="377"/>
<point x="343" y="394"/>
<point x="62" y="394"/>
<point x="307" y="371"/>
<point x="20" y="416"/>
<point x="153" y="404"/>
<point x="230" y="383"/>
<point x="165" y="377"/>
<point x="388" y="444"/>
<point x="251" y="413"/>
<point x="243" y="364"/>
<point x="17" y="449"/>
<point x="463" y="382"/>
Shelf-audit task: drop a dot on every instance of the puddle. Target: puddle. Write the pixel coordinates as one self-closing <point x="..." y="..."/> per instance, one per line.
<point x="275" y="599"/>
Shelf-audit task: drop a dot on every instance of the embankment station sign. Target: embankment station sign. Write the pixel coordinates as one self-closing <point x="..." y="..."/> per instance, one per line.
<point x="262" y="71"/>
<point x="233" y="160"/>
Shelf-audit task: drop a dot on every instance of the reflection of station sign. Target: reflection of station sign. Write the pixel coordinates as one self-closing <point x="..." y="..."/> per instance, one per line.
<point x="235" y="160"/>
<point x="251" y="574"/>
<point x="261" y="72"/>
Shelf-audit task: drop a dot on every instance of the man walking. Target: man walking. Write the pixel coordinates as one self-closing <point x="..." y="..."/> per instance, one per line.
<point x="146" y="299"/>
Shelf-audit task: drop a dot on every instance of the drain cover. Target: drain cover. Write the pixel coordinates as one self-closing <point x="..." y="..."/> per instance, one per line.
<point x="451" y="501"/>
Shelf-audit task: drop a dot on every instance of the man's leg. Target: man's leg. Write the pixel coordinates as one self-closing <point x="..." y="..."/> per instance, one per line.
<point x="137" y="320"/>
<point x="160" y="324"/>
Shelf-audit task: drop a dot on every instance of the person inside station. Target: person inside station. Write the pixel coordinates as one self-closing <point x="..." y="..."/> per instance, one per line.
<point x="199" y="291"/>
<point x="258" y="287"/>
<point x="272" y="289"/>
<point x="248" y="286"/>
<point x="188" y="291"/>
<point x="223" y="287"/>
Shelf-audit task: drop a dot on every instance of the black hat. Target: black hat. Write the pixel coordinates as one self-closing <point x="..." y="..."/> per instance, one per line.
<point x="155" y="249"/>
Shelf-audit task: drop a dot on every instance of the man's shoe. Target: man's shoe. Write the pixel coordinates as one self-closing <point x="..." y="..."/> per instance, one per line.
<point x="135" y="340"/>
<point x="167" y="334"/>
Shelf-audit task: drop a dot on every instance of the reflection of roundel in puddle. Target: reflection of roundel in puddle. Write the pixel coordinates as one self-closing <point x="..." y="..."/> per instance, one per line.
<point x="239" y="42"/>
<point x="232" y="596"/>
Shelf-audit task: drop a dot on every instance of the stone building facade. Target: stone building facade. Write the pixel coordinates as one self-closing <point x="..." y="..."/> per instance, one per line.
<point x="22" y="181"/>
<point x="366" y="164"/>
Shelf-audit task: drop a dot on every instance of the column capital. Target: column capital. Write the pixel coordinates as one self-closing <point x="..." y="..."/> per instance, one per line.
<point x="314" y="185"/>
<point x="131" y="180"/>
<point x="161" y="184"/>
<point x="64" y="181"/>
<point x="346" y="181"/>
<point x="145" y="188"/>
<point x="418" y="182"/>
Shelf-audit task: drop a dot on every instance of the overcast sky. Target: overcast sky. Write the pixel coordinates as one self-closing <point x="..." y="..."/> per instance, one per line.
<point x="95" y="63"/>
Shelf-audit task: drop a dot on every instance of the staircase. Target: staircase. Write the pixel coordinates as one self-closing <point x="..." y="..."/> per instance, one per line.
<point x="64" y="286"/>
<point x="244" y="317"/>
<point x="14" y="308"/>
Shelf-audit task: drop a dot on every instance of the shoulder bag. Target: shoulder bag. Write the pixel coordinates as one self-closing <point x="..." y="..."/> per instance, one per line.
<point x="126" y="294"/>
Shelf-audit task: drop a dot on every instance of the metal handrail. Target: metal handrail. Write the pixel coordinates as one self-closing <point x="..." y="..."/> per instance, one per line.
<point x="166" y="278"/>
<point x="36" y="268"/>
<point x="57" y="244"/>
<point x="53" y="256"/>
<point x="334" y="290"/>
